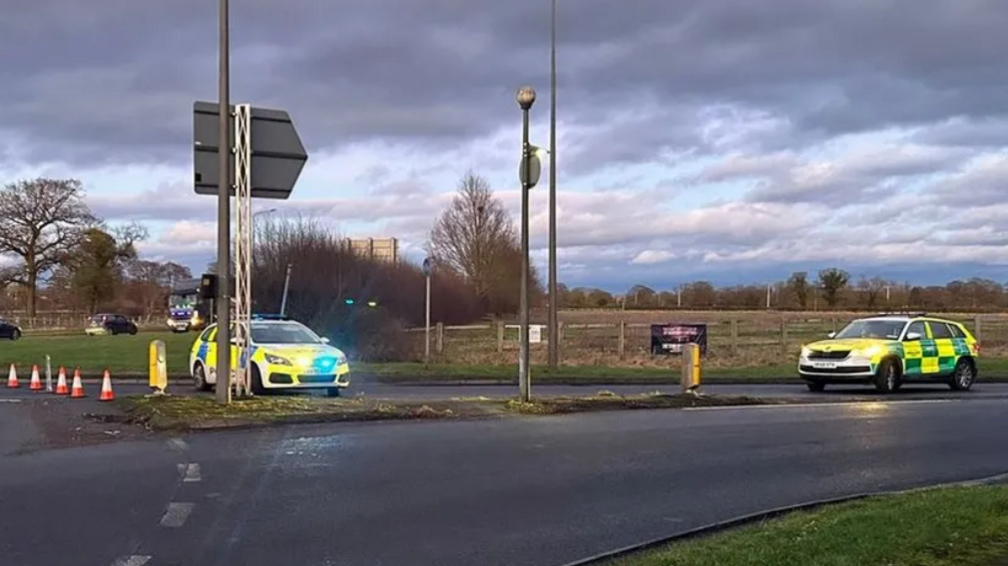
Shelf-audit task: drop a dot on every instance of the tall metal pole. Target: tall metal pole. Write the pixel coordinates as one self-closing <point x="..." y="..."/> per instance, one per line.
<point x="223" y="386"/>
<point x="426" y="357"/>
<point x="283" y="301"/>
<point x="523" y="364"/>
<point x="554" y="330"/>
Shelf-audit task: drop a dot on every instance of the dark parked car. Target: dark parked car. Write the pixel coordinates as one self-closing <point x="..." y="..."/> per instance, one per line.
<point x="9" y="330"/>
<point x="110" y="323"/>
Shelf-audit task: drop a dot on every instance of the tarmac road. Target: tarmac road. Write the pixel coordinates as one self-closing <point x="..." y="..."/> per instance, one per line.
<point x="367" y="385"/>
<point x="536" y="491"/>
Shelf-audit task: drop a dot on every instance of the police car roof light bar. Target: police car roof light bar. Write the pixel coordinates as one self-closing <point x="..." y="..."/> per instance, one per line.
<point x="262" y="316"/>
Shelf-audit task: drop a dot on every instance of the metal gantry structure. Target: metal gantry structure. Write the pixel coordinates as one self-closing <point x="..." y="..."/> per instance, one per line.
<point x="243" y="247"/>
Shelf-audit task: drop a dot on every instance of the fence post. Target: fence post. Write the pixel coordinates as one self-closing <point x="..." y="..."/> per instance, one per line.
<point x="622" y="339"/>
<point x="500" y="336"/>
<point x="734" y="337"/>
<point x="976" y="327"/>
<point x="783" y="336"/>
<point x="440" y="337"/>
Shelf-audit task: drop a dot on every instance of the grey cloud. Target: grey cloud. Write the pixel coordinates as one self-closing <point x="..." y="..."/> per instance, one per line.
<point x="114" y="80"/>
<point x="980" y="133"/>
<point x="167" y="201"/>
<point x="980" y="185"/>
<point x="872" y="174"/>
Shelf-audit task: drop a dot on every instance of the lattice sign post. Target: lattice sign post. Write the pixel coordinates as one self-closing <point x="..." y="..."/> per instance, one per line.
<point x="267" y="159"/>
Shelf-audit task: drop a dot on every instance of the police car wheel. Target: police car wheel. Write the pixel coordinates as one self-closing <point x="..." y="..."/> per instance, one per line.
<point x="887" y="376"/>
<point x="199" y="378"/>
<point x="257" y="383"/>
<point x="815" y="386"/>
<point x="964" y="375"/>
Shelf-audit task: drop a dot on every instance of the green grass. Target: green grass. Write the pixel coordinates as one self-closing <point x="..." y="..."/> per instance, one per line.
<point x="417" y="372"/>
<point x="393" y="372"/>
<point x="966" y="526"/>
<point x="128" y="355"/>
<point x="93" y="354"/>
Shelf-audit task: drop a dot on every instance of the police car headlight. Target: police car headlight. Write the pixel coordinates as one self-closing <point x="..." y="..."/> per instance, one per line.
<point x="805" y="352"/>
<point x="270" y="358"/>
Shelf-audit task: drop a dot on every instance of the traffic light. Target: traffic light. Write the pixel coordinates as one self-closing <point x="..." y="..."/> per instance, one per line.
<point x="372" y="304"/>
<point x="348" y="301"/>
<point x="208" y="286"/>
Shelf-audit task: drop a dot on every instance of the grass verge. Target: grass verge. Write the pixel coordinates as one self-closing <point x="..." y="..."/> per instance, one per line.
<point x="958" y="526"/>
<point x="202" y="412"/>
<point x="581" y="374"/>
<point x="127" y="356"/>
<point x="991" y="370"/>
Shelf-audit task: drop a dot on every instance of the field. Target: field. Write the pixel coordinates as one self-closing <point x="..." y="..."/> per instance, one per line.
<point x="594" y="344"/>
<point x="622" y="338"/>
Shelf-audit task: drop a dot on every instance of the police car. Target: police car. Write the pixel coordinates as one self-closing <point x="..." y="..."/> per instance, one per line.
<point x="285" y="354"/>
<point x="892" y="349"/>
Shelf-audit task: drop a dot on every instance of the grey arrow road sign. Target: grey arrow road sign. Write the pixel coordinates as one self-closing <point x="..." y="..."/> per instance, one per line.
<point x="278" y="156"/>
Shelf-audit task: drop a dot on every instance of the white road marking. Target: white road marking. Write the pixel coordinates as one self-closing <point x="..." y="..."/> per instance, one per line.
<point x="134" y="560"/>
<point x="177" y="514"/>
<point x="10" y="400"/>
<point x="192" y="473"/>
<point x="821" y="405"/>
<point x="178" y="444"/>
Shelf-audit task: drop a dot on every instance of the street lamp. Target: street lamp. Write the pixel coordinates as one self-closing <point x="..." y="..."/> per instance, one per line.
<point x="427" y="269"/>
<point x="528" y="173"/>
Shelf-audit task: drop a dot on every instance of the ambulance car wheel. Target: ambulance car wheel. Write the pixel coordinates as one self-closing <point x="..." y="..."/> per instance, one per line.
<point x="257" y="383"/>
<point x="333" y="392"/>
<point x="964" y="375"/>
<point x="887" y="376"/>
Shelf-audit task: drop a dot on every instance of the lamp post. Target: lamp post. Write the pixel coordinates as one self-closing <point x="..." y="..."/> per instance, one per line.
<point x="222" y="389"/>
<point x="427" y="276"/>
<point x="553" y="322"/>
<point x="283" y="300"/>
<point x="526" y="98"/>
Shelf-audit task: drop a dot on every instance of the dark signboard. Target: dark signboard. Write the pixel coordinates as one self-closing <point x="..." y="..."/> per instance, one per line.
<point x="668" y="339"/>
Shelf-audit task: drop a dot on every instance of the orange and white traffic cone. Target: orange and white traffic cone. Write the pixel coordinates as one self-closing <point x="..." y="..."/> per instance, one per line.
<point x="12" y="380"/>
<point x="77" y="390"/>
<point x="61" y="384"/>
<point x="36" y="381"/>
<point x="106" y="388"/>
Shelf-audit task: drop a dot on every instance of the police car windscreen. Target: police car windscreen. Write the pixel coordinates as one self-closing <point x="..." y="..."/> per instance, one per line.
<point x="283" y="333"/>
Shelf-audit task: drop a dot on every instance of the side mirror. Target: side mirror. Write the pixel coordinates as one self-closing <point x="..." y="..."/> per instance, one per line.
<point x="325" y="340"/>
<point x="831" y="335"/>
<point x="913" y="336"/>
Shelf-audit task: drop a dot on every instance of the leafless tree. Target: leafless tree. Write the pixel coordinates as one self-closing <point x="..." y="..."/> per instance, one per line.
<point x="40" y="221"/>
<point x="475" y="237"/>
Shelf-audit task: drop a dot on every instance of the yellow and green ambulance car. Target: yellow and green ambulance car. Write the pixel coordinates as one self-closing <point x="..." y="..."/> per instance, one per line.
<point x="890" y="350"/>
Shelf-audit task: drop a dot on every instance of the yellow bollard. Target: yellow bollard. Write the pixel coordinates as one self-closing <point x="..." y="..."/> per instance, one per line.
<point x="691" y="368"/>
<point x="158" y="367"/>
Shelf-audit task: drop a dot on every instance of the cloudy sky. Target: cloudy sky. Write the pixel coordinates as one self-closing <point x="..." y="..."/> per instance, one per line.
<point x="735" y="140"/>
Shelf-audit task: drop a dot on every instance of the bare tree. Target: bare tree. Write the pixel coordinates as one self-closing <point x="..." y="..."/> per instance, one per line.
<point x="40" y="221"/>
<point x="475" y="237"/>
<point x="151" y="281"/>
